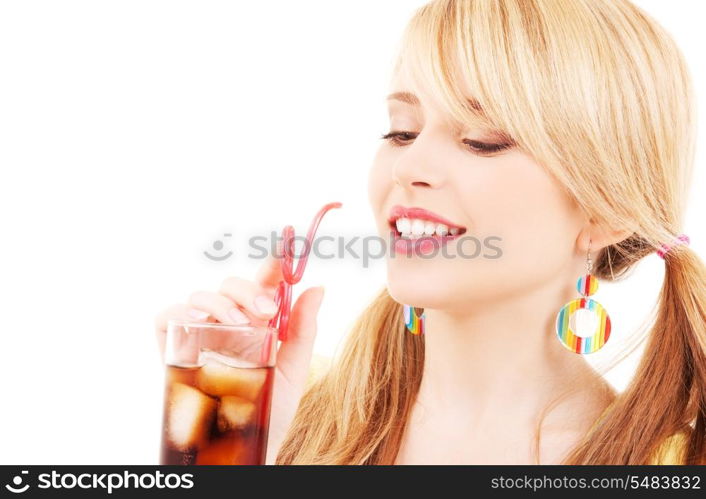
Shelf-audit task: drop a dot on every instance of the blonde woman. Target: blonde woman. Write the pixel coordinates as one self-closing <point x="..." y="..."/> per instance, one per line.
<point x="565" y="130"/>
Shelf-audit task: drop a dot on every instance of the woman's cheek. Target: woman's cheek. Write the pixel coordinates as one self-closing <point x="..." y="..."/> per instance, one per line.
<point x="379" y="185"/>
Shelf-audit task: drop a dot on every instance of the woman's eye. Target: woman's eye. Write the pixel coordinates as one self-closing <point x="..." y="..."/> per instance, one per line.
<point x="476" y="146"/>
<point x="486" y="147"/>
<point x="399" y="138"/>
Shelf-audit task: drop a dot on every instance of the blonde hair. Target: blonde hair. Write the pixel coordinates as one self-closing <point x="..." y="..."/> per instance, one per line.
<point x="599" y="94"/>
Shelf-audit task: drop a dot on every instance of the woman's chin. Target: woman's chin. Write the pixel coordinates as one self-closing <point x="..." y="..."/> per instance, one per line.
<point x="427" y="292"/>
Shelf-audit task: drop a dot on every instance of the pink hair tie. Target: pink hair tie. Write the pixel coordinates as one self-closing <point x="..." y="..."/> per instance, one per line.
<point x="681" y="239"/>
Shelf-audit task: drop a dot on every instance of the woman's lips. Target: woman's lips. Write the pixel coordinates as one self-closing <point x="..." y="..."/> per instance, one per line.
<point x="424" y="245"/>
<point x="424" y="231"/>
<point x="415" y="212"/>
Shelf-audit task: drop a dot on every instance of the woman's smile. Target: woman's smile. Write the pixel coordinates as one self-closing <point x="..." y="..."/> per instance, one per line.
<point x="417" y="230"/>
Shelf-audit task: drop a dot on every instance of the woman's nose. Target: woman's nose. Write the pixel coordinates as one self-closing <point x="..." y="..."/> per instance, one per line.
<point x="417" y="168"/>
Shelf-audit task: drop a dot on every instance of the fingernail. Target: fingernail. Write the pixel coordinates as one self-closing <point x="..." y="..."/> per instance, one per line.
<point x="265" y="305"/>
<point x="198" y="314"/>
<point x="237" y="316"/>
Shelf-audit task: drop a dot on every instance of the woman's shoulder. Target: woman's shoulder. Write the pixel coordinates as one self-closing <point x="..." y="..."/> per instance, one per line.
<point x="672" y="450"/>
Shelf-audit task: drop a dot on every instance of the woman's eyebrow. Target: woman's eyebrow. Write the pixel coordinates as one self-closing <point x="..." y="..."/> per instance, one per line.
<point x="411" y="99"/>
<point x="406" y="97"/>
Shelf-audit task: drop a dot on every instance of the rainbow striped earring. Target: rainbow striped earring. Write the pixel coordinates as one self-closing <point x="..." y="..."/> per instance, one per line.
<point x="583" y="325"/>
<point x="413" y="319"/>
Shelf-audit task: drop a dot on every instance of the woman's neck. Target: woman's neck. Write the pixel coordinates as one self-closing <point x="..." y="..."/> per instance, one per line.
<point x="500" y="355"/>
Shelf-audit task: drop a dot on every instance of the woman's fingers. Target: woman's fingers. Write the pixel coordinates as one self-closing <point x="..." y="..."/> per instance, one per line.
<point x="238" y="302"/>
<point x="180" y="311"/>
<point x="269" y="274"/>
<point x="257" y="301"/>
<point x="222" y="308"/>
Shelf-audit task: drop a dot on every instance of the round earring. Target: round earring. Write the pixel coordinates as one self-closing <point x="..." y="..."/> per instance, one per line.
<point x="413" y="319"/>
<point x="583" y="325"/>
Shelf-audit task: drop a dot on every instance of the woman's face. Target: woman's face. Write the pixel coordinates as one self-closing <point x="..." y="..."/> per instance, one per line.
<point x="520" y="226"/>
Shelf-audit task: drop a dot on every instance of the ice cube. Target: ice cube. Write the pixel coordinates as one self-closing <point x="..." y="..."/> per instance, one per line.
<point x="217" y="379"/>
<point x="184" y="375"/>
<point x="234" y="412"/>
<point x="223" y="451"/>
<point x="189" y="413"/>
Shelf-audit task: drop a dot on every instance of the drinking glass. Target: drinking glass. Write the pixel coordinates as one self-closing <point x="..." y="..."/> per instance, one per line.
<point x="218" y="392"/>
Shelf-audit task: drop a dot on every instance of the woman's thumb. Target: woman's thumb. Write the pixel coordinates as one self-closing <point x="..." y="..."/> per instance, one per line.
<point x="294" y="354"/>
<point x="302" y="321"/>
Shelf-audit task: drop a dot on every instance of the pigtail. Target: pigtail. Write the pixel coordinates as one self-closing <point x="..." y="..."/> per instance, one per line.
<point x="667" y="396"/>
<point x="684" y="315"/>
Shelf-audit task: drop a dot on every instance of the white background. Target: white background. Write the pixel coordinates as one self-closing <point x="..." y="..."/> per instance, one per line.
<point x="133" y="134"/>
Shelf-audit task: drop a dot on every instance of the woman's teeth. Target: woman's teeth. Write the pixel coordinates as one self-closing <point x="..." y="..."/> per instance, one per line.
<point x="414" y="228"/>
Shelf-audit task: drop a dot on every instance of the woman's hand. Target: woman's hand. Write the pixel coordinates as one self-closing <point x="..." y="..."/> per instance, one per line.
<point x="240" y="301"/>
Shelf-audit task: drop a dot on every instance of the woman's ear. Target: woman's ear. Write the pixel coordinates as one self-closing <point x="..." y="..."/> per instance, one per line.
<point x="600" y="237"/>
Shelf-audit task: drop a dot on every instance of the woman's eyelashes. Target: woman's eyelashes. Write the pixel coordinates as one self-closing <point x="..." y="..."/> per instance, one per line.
<point x="487" y="147"/>
<point x="397" y="139"/>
